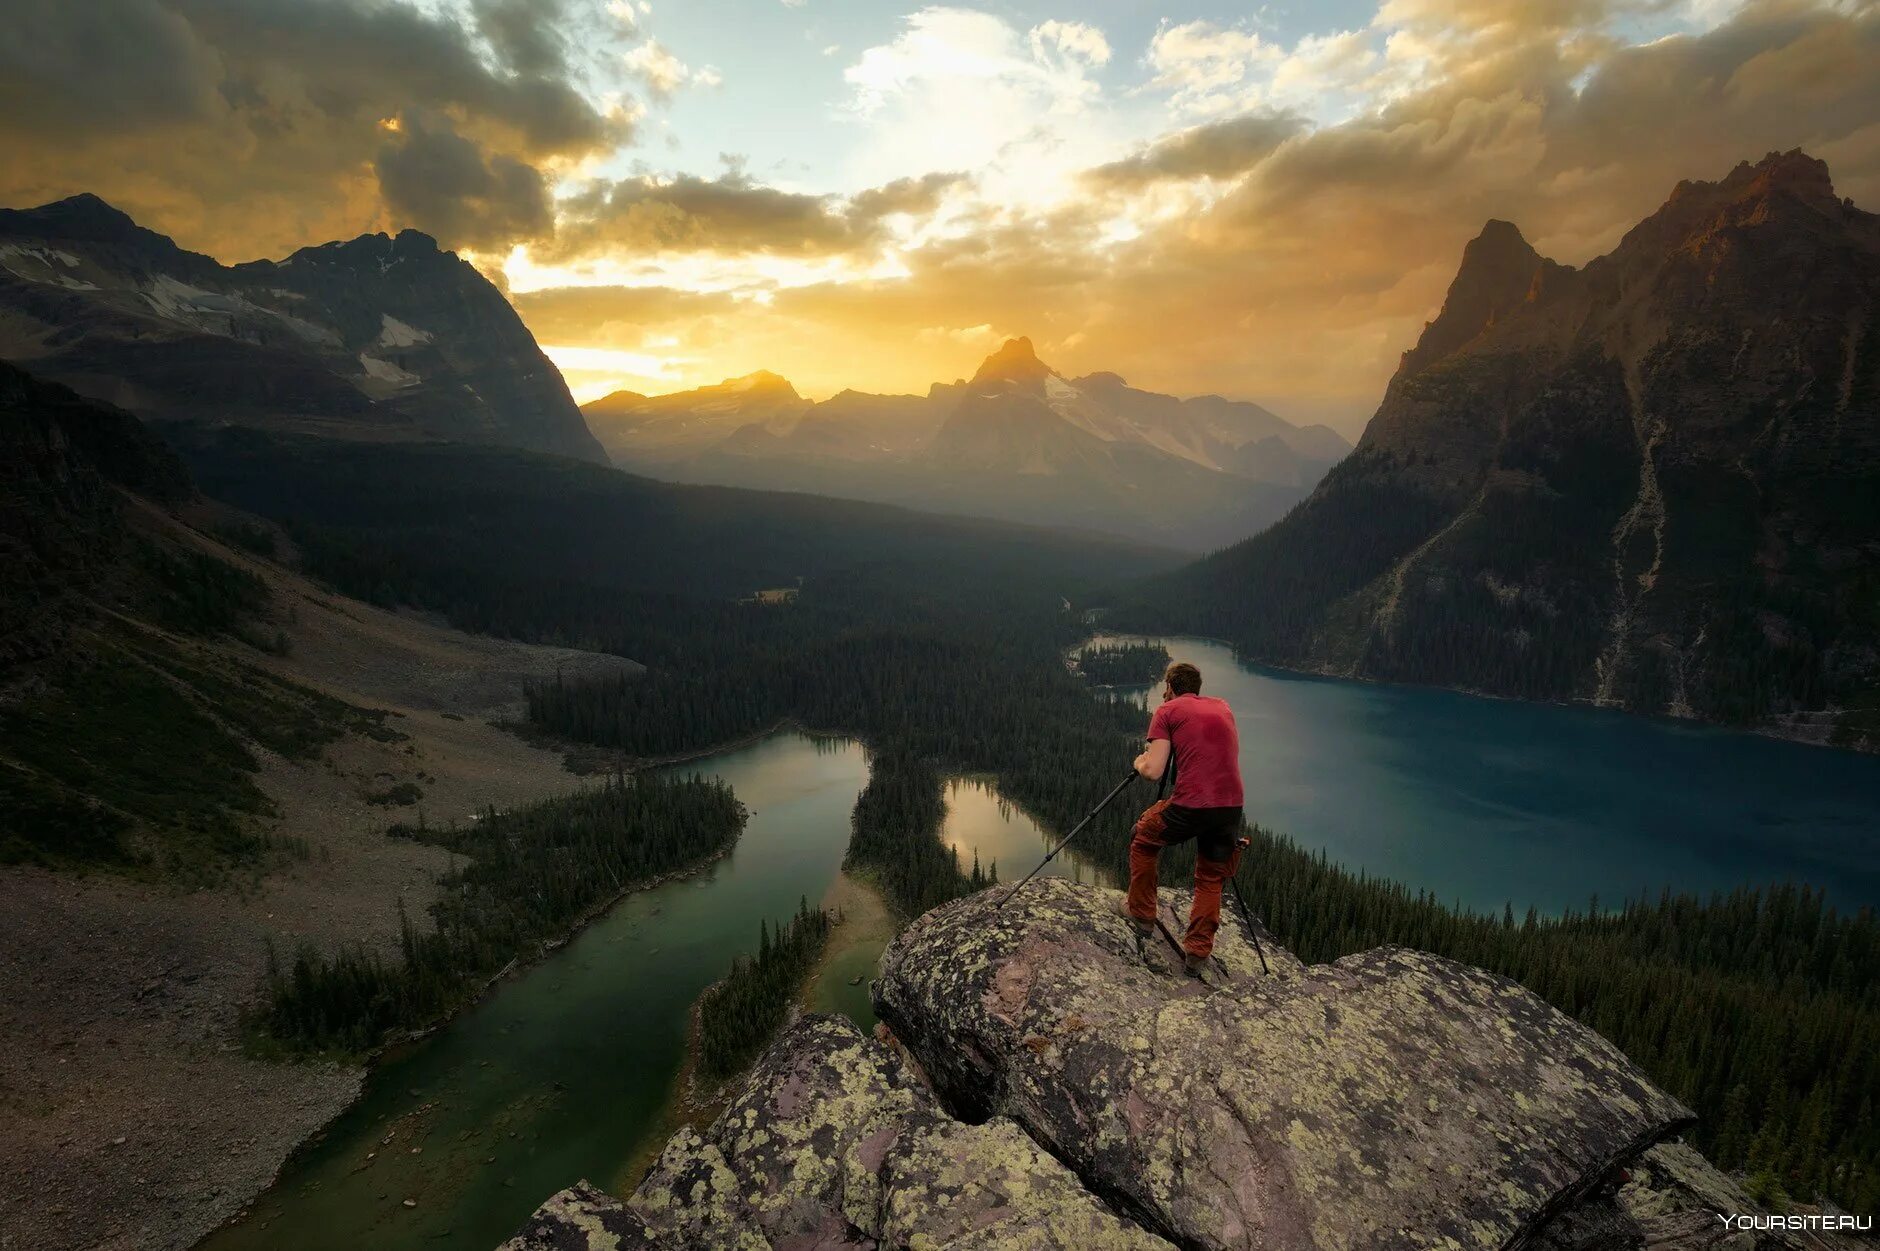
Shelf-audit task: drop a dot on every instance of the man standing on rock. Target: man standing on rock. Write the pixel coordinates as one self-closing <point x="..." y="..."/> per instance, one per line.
<point x="1198" y="731"/>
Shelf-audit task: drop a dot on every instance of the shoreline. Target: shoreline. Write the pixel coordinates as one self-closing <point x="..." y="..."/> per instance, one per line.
<point x="1777" y="731"/>
<point x="370" y="1061"/>
<point x="869" y="922"/>
<point x="690" y="1102"/>
<point x="587" y="760"/>
<point x="683" y="1098"/>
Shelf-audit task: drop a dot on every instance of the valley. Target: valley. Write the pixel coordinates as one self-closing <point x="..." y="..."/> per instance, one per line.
<point x="133" y="1098"/>
<point x="319" y="581"/>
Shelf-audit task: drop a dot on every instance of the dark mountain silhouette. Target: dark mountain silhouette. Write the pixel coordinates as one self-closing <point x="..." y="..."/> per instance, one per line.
<point x="375" y="338"/>
<point x="1652" y="483"/>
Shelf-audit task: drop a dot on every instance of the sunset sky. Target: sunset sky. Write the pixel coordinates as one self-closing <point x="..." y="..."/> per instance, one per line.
<point x="1262" y="201"/>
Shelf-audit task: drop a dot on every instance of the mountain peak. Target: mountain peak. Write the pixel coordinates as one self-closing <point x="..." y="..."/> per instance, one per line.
<point x="1793" y="171"/>
<point x="82" y="218"/>
<point x="761" y="381"/>
<point x="376" y="250"/>
<point x="1015" y="361"/>
<point x="1783" y="189"/>
<point x="1500" y="271"/>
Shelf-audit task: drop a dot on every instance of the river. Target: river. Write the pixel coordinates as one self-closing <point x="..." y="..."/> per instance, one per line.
<point x="1488" y="801"/>
<point x="563" y="1071"/>
<point x="567" y="1069"/>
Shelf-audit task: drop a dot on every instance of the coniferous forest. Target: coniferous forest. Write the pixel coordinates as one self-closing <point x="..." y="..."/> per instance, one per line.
<point x="739" y="1014"/>
<point x="1759" y="1009"/>
<point x="1123" y="664"/>
<point x="532" y="874"/>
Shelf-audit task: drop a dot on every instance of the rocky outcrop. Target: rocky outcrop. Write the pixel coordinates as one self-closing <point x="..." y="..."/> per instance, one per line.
<point x="832" y="1143"/>
<point x="380" y="337"/>
<point x="1049" y="1079"/>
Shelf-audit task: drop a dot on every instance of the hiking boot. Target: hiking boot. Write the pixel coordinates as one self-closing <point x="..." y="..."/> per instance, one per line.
<point x="1197" y="966"/>
<point x="1122" y="910"/>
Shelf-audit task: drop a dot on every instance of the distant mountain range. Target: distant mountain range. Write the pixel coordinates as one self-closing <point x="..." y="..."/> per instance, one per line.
<point x="377" y="338"/>
<point x="1017" y="441"/>
<point x="1650" y="483"/>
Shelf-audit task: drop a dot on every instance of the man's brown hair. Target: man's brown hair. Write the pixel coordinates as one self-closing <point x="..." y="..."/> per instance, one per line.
<point x="1183" y="678"/>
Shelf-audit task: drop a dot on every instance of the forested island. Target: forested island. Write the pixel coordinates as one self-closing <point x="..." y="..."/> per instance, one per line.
<point x="1122" y="664"/>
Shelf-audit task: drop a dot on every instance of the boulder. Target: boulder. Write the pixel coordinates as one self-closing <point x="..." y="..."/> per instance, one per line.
<point x="833" y="1142"/>
<point x="1392" y="1098"/>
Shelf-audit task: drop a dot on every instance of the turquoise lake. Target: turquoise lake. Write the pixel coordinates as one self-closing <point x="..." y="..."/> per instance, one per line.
<point x="1488" y="801"/>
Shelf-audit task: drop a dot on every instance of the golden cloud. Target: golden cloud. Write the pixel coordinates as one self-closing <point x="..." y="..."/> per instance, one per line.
<point x="1307" y="258"/>
<point x="1278" y="251"/>
<point x="249" y="127"/>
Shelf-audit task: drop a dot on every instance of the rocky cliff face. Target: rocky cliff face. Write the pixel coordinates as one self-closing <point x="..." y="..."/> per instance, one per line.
<point x="1647" y="483"/>
<point x="1049" y="1080"/>
<point x="374" y="338"/>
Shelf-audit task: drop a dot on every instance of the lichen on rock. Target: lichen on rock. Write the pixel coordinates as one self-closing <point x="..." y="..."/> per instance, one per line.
<point x="833" y="1143"/>
<point x="1390" y="1098"/>
<point x="1056" y="1081"/>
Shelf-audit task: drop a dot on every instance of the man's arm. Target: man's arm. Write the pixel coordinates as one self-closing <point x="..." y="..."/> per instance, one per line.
<point x="1154" y="760"/>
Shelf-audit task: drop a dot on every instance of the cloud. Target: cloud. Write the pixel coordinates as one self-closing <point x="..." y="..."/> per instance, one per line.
<point x="917" y="196"/>
<point x="442" y="183"/>
<point x="941" y="50"/>
<point x="733" y="215"/>
<point x="1203" y="66"/>
<point x="523" y="35"/>
<point x="1208" y="70"/>
<point x="663" y="73"/>
<point x="1069" y="41"/>
<point x="1218" y="209"/>
<point x="1024" y="108"/>
<point x="159" y="71"/>
<point x="248" y="127"/>
<point x="1324" y="242"/>
<point x="1220" y="150"/>
<point x="976" y="338"/>
<point x="688" y="213"/>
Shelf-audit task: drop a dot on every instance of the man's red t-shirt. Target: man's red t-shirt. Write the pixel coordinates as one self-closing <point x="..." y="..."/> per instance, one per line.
<point x="1207" y="750"/>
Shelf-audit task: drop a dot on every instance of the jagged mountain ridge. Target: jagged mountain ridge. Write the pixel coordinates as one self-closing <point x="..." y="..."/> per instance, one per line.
<point x="1017" y="441"/>
<point x="1647" y="483"/>
<point x="379" y="337"/>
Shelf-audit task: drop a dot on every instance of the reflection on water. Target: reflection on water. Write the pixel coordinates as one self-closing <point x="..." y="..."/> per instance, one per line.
<point x="1484" y="801"/>
<point x="981" y="823"/>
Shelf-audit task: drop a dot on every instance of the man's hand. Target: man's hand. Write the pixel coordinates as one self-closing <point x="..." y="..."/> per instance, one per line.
<point x="1154" y="761"/>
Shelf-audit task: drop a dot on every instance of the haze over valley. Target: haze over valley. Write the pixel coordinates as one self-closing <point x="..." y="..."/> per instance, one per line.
<point x="1017" y="440"/>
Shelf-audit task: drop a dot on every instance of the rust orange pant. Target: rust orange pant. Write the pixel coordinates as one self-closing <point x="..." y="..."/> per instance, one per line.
<point x="1217" y="855"/>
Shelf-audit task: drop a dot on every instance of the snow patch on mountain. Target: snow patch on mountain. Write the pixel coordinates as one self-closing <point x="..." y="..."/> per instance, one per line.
<point x="385" y="371"/>
<point x="396" y="334"/>
<point x="46" y="273"/>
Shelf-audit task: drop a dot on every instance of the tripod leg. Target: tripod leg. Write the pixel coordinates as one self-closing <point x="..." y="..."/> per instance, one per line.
<point x="1246" y="914"/>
